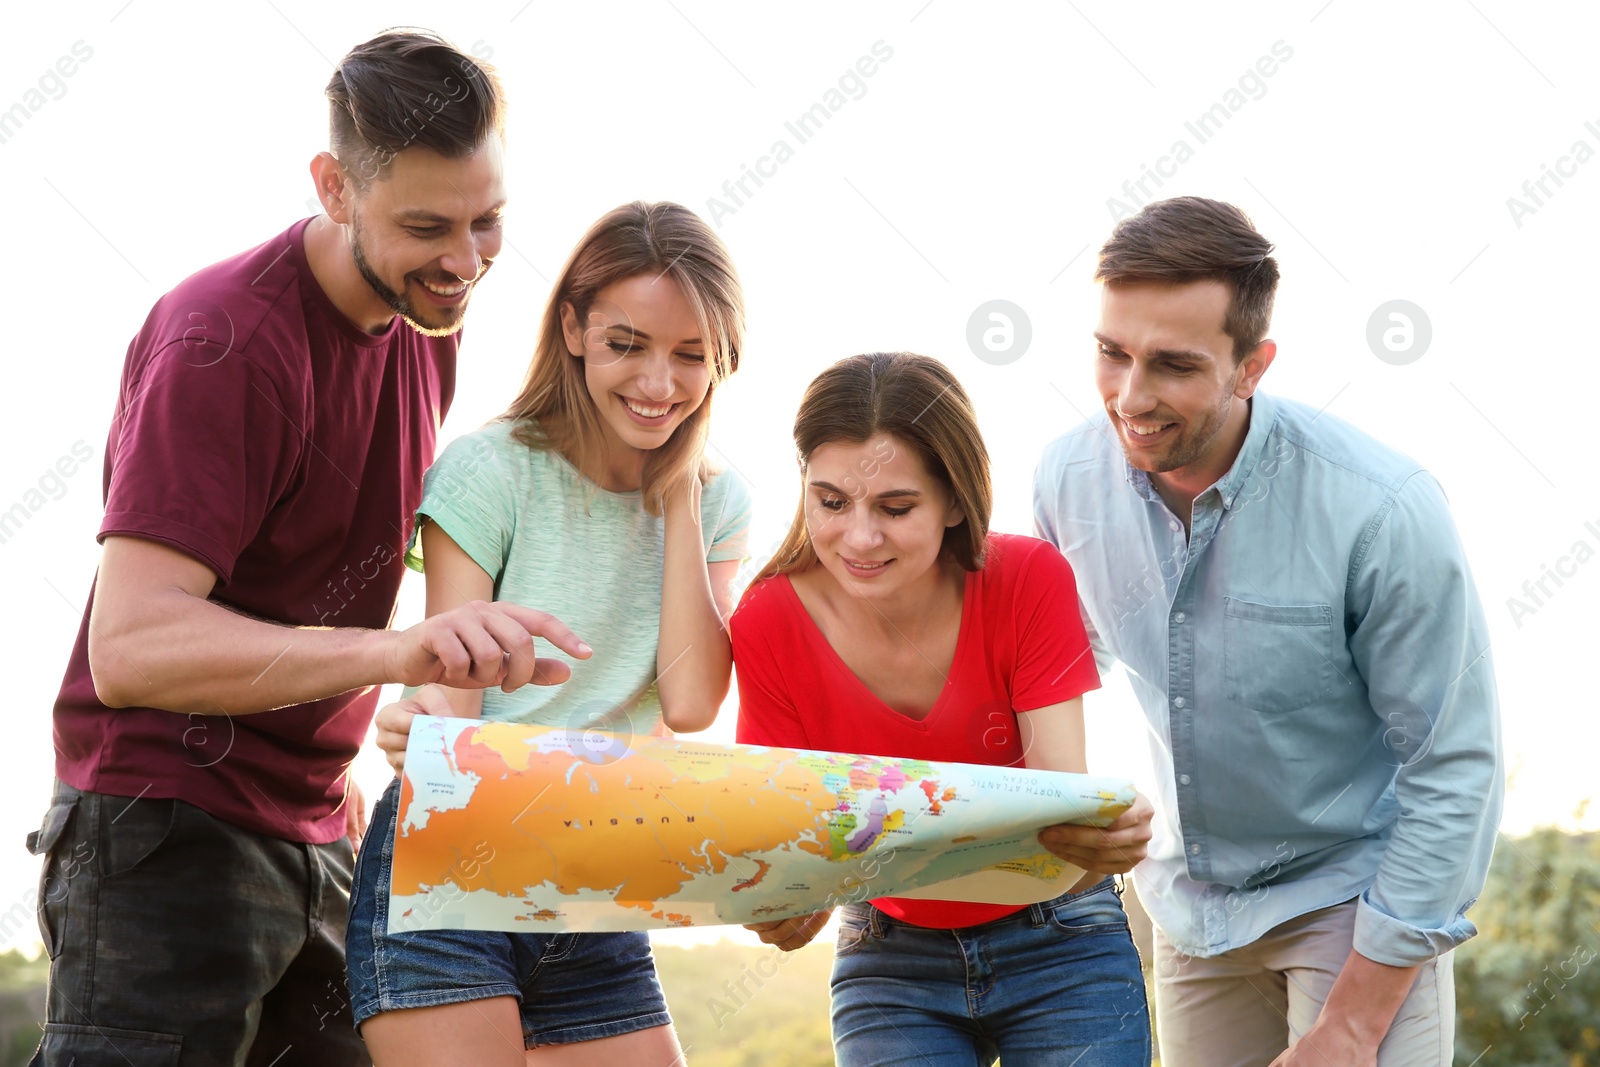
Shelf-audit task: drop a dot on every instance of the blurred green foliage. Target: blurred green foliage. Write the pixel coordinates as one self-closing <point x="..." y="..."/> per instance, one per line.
<point x="1528" y="986"/>
<point x="22" y="982"/>
<point x="743" y="1006"/>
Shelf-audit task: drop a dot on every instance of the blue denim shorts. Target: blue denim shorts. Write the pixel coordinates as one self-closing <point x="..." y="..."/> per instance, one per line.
<point x="1055" y="984"/>
<point x="572" y="987"/>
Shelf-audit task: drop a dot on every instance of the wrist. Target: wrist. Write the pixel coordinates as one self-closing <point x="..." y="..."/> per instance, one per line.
<point x="378" y="654"/>
<point x="677" y="509"/>
<point x="682" y="534"/>
<point x="1358" y="1027"/>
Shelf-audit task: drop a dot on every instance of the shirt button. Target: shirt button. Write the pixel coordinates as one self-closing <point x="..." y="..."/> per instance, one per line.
<point x="1178" y="702"/>
<point x="1194" y="850"/>
<point x="1175" y="524"/>
<point x="1183" y="779"/>
<point x="1179" y="617"/>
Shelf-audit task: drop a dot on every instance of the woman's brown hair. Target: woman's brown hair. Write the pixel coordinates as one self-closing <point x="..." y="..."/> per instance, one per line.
<point x="919" y="403"/>
<point x="554" y="409"/>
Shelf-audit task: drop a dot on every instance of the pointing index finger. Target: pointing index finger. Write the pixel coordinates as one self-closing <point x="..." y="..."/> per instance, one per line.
<point x="543" y="624"/>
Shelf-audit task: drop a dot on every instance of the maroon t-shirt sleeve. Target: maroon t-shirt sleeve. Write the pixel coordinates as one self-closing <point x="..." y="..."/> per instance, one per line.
<point x="1054" y="660"/>
<point x="198" y="456"/>
<point x="767" y="716"/>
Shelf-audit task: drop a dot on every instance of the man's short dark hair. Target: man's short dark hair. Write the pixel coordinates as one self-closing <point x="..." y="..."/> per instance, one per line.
<point x="405" y="88"/>
<point x="1190" y="239"/>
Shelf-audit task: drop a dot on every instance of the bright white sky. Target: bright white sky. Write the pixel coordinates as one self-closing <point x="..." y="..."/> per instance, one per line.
<point x="975" y="165"/>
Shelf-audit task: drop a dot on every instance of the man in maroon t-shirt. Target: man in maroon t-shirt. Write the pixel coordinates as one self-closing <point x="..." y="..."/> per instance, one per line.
<point x="263" y="467"/>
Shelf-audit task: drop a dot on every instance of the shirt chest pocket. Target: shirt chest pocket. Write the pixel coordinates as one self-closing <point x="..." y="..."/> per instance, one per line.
<point x="1276" y="657"/>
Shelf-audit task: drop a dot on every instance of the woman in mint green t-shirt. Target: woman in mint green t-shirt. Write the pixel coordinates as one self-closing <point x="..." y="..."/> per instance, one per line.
<point x="590" y="499"/>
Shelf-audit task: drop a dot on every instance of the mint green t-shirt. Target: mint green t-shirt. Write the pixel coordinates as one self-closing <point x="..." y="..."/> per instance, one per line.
<point x="555" y="541"/>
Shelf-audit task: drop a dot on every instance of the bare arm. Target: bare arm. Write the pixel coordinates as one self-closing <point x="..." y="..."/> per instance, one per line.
<point x="1053" y="740"/>
<point x="693" y="657"/>
<point x="155" y="640"/>
<point x="1357" y="1014"/>
<point x="1052" y="737"/>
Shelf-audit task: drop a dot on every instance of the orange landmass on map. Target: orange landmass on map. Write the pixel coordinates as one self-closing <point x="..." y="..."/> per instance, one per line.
<point x="762" y="867"/>
<point x="602" y="826"/>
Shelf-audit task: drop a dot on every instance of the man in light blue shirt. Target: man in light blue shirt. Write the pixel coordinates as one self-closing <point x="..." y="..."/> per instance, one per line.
<point x="1294" y="610"/>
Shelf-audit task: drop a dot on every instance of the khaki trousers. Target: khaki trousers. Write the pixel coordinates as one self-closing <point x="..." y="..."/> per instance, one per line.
<point x="1244" y="1007"/>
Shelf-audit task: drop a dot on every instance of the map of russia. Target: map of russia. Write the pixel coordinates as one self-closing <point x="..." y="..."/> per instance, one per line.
<point x="513" y="827"/>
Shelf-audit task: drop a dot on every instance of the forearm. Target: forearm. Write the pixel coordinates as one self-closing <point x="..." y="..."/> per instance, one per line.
<point x="1061" y="755"/>
<point x="1365" y="998"/>
<point x="189" y="655"/>
<point x="694" y="660"/>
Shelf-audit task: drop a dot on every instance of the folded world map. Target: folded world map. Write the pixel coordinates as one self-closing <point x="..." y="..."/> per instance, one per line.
<point x="543" y="829"/>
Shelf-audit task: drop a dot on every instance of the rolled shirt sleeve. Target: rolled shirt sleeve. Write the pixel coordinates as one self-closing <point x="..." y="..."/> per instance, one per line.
<point x="1421" y="644"/>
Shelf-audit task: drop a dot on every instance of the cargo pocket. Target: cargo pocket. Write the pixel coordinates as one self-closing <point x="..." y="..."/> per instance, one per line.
<point x="131" y="829"/>
<point x="102" y="1046"/>
<point x="52" y="880"/>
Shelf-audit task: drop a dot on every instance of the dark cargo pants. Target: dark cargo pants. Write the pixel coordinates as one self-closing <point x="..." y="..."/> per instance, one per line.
<point x="178" y="939"/>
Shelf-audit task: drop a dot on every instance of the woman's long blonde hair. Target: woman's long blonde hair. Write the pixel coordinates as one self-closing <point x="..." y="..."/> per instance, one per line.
<point x="554" y="409"/>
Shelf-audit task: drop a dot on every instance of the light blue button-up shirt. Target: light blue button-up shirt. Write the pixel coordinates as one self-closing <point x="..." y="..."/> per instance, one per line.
<point x="1315" y="668"/>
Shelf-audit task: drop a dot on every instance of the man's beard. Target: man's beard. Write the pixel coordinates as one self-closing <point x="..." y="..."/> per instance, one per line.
<point x="450" y="318"/>
<point x="1193" y="444"/>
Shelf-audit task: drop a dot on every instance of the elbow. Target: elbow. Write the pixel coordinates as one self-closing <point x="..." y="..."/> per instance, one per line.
<point x="690" y="713"/>
<point x="118" y="683"/>
<point x="691" y="699"/>
<point x="689" y="720"/>
<point x="108" y="669"/>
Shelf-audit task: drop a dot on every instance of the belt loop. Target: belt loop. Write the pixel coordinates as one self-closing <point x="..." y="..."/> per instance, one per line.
<point x="1036" y="915"/>
<point x="875" y="921"/>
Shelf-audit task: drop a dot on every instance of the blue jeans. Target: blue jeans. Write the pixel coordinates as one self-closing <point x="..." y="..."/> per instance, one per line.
<point x="1055" y="985"/>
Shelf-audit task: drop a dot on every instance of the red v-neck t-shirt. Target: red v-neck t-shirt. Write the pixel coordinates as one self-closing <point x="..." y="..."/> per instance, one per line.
<point x="1021" y="647"/>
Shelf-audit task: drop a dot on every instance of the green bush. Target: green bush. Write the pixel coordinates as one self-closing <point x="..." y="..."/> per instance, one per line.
<point x="1528" y="986"/>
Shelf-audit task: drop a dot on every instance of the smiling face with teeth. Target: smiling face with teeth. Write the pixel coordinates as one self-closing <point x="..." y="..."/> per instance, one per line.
<point x="644" y="366"/>
<point x="422" y="235"/>
<point x="1168" y="378"/>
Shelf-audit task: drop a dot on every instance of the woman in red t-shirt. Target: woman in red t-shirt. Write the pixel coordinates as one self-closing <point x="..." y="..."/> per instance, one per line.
<point x="890" y="621"/>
